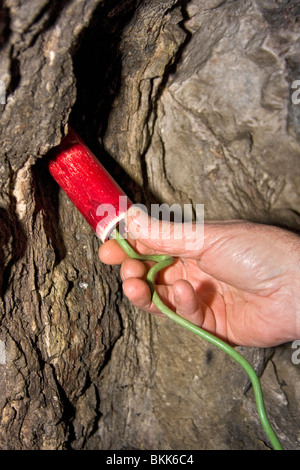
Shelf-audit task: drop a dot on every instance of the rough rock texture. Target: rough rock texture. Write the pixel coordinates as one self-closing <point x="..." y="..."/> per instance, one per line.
<point x="186" y="102"/>
<point x="55" y="309"/>
<point x="220" y="130"/>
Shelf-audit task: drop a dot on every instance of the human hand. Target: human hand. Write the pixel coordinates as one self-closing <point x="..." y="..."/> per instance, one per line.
<point x="242" y="284"/>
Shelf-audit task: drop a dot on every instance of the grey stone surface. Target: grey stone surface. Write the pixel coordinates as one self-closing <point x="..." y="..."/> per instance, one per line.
<point x="186" y="102"/>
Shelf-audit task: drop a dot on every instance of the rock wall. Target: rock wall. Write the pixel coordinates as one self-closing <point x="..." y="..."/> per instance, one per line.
<point x="183" y="101"/>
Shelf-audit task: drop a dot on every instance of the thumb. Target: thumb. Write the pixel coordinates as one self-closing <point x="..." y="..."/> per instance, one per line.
<point x="161" y="236"/>
<point x="237" y="252"/>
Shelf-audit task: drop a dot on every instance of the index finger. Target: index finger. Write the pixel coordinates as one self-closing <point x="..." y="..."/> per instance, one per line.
<point x="110" y="252"/>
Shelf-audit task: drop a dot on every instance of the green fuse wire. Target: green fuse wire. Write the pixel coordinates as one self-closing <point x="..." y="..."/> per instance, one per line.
<point x="162" y="261"/>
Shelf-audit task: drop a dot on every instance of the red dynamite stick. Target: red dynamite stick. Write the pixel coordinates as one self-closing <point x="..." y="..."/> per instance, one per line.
<point x="88" y="185"/>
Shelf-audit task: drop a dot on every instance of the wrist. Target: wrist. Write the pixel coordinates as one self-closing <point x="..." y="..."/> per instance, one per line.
<point x="293" y="287"/>
<point x="296" y="301"/>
